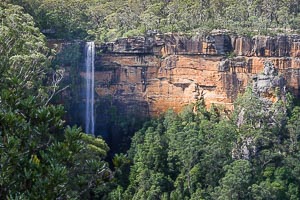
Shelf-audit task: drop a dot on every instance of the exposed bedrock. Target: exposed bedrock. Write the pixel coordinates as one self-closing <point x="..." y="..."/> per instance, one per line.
<point x="172" y="70"/>
<point x="144" y="76"/>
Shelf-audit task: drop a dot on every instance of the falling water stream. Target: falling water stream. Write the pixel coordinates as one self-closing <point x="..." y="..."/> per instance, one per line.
<point x="89" y="64"/>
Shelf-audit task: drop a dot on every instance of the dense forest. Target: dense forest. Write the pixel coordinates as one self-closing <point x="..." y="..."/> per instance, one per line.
<point x="249" y="153"/>
<point x="104" y="20"/>
<point x="40" y="158"/>
<point x="252" y="153"/>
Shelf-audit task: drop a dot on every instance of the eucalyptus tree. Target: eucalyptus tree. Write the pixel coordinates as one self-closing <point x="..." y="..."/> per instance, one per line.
<point x="40" y="158"/>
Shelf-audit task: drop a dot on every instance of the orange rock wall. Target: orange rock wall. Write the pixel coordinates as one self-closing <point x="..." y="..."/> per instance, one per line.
<point x="170" y="71"/>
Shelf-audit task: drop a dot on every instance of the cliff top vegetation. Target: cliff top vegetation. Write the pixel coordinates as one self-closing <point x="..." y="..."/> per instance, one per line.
<point x="105" y="20"/>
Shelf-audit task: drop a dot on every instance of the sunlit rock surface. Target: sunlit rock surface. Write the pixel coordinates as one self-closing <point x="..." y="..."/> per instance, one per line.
<point x="139" y="77"/>
<point x="171" y="70"/>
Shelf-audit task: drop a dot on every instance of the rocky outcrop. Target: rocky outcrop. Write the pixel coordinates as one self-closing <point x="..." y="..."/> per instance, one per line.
<point x="172" y="70"/>
<point x="269" y="83"/>
<point x="260" y="108"/>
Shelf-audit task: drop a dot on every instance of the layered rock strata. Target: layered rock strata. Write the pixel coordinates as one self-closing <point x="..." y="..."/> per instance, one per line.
<point x="148" y="75"/>
<point x="144" y="76"/>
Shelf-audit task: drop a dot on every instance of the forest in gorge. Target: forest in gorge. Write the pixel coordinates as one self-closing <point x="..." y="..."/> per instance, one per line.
<point x="195" y="154"/>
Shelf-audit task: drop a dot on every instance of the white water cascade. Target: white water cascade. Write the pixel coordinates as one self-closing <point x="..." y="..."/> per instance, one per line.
<point x="90" y="83"/>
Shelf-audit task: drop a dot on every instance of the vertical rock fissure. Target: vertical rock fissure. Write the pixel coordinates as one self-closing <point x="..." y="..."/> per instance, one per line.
<point x="90" y="83"/>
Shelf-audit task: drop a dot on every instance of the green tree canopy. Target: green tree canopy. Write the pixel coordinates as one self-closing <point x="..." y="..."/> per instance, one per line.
<point x="108" y="19"/>
<point x="39" y="157"/>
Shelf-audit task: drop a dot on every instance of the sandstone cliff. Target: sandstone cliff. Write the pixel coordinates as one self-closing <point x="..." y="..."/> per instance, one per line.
<point x="169" y="71"/>
<point x="143" y="76"/>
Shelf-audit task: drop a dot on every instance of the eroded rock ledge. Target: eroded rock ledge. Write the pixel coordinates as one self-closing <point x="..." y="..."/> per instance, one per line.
<point x="171" y="70"/>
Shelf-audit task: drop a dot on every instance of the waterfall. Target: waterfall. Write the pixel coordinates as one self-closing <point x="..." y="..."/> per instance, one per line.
<point x="90" y="83"/>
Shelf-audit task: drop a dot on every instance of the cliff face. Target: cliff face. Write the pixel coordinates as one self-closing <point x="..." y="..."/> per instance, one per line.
<point x="143" y="76"/>
<point x="148" y="75"/>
